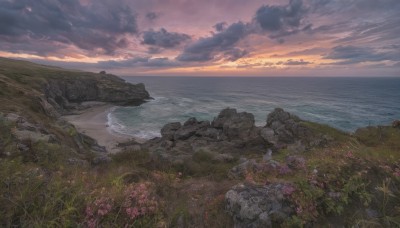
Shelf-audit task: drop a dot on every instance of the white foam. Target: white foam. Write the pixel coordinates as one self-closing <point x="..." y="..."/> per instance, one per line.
<point x="147" y="134"/>
<point x="115" y="126"/>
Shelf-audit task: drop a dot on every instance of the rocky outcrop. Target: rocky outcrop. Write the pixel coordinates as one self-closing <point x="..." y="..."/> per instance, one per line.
<point x="229" y="133"/>
<point x="235" y="133"/>
<point x="284" y="129"/>
<point x="64" y="93"/>
<point x="25" y="134"/>
<point x="259" y="206"/>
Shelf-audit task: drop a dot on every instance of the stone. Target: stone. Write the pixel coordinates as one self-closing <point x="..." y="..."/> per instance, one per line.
<point x="259" y="206"/>
<point x="190" y="128"/>
<point x="168" y="131"/>
<point x="278" y="115"/>
<point x="30" y="136"/>
<point x="210" y="133"/>
<point x="269" y="135"/>
<point x="14" y="118"/>
<point x="296" y="162"/>
<point x="61" y="93"/>
<point x="223" y="158"/>
<point x="235" y="125"/>
<point x="240" y="171"/>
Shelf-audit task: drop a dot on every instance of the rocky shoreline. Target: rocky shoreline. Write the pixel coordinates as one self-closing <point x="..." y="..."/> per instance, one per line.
<point x="221" y="173"/>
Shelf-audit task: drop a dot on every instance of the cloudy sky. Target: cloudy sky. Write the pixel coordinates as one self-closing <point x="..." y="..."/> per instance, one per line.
<point x="207" y="37"/>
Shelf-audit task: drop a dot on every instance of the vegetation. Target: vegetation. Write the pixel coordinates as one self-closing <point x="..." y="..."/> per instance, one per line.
<point x="352" y="182"/>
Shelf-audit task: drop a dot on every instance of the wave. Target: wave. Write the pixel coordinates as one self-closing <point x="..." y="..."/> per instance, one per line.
<point x="115" y="126"/>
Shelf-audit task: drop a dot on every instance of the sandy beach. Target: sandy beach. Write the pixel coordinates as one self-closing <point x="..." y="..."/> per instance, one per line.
<point x="93" y="122"/>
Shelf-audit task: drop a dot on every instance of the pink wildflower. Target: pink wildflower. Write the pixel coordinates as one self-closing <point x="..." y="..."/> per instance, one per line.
<point x="288" y="190"/>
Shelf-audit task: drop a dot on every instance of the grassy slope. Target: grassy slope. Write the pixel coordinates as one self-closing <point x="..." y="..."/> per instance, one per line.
<point x="338" y="185"/>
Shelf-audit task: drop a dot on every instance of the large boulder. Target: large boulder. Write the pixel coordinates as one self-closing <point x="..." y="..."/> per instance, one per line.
<point x="233" y="124"/>
<point x="259" y="206"/>
<point x="190" y="128"/>
<point x="168" y="131"/>
<point x="288" y="129"/>
<point x="268" y="134"/>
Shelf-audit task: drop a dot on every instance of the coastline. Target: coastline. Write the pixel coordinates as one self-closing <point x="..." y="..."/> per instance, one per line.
<point x="93" y="122"/>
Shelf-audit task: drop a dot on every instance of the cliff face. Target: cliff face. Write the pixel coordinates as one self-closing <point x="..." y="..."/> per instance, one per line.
<point x="107" y="88"/>
<point x="58" y="91"/>
<point x="33" y="97"/>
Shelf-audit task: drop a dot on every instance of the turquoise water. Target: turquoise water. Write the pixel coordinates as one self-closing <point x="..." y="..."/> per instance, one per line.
<point x="344" y="103"/>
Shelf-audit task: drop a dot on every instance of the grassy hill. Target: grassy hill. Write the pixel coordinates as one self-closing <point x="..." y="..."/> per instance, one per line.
<point x="353" y="181"/>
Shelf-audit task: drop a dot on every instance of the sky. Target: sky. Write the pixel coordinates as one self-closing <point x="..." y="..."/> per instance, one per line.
<point x="207" y="37"/>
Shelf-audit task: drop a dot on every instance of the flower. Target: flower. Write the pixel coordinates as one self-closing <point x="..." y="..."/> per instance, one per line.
<point x="288" y="190"/>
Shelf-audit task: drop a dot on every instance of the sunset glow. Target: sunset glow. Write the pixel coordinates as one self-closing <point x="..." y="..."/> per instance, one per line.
<point x="210" y="37"/>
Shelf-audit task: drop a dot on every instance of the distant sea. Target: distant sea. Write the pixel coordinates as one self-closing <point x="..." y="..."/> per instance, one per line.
<point x="343" y="103"/>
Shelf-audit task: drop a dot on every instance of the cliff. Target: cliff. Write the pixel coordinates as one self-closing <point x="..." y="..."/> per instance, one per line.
<point x="58" y="91"/>
<point x="34" y="96"/>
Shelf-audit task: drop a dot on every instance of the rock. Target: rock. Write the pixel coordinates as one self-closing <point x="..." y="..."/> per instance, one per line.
<point x="223" y="116"/>
<point x="240" y="171"/>
<point x="190" y="128"/>
<point x="167" y="144"/>
<point x="268" y="155"/>
<point x="103" y="72"/>
<point x="14" y="118"/>
<point x="223" y="158"/>
<point x="77" y="162"/>
<point x="269" y="135"/>
<point x="296" y="162"/>
<point x="233" y="124"/>
<point x="31" y="136"/>
<point x="168" y="131"/>
<point x="259" y="206"/>
<point x="22" y="147"/>
<point x="396" y="124"/>
<point x="190" y="121"/>
<point x="290" y="130"/>
<point x="278" y="115"/>
<point x="61" y="92"/>
<point x="210" y="133"/>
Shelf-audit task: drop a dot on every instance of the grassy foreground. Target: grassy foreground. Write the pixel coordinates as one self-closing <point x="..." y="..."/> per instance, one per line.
<point x="348" y="184"/>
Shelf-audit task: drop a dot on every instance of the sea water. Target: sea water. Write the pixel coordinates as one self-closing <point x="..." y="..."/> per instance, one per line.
<point x="343" y="103"/>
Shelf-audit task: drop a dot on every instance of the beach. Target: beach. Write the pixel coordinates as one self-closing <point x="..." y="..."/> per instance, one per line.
<point x="93" y="122"/>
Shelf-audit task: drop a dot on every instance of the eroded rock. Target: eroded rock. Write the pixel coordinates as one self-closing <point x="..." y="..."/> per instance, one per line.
<point x="259" y="206"/>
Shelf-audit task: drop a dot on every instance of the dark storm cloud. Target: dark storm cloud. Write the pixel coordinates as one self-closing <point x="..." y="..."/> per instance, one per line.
<point x="353" y="54"/>
<point x="282" y="20"/>
<point x="152" y="16"/>
<point x="163" y="38"/>
<point x="235" y="54"/>
<point x="291" y="62"/>
<point x="139" y="62"/>
<point x="220" y="26"/>
<point x="278" y="21"/>
<point x="98" y="25"/>
<point x="206" y="49"/>
<point x="154" y="50"/>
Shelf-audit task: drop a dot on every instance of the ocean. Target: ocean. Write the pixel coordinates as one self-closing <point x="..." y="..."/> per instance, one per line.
<point x="343" y="103"/>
